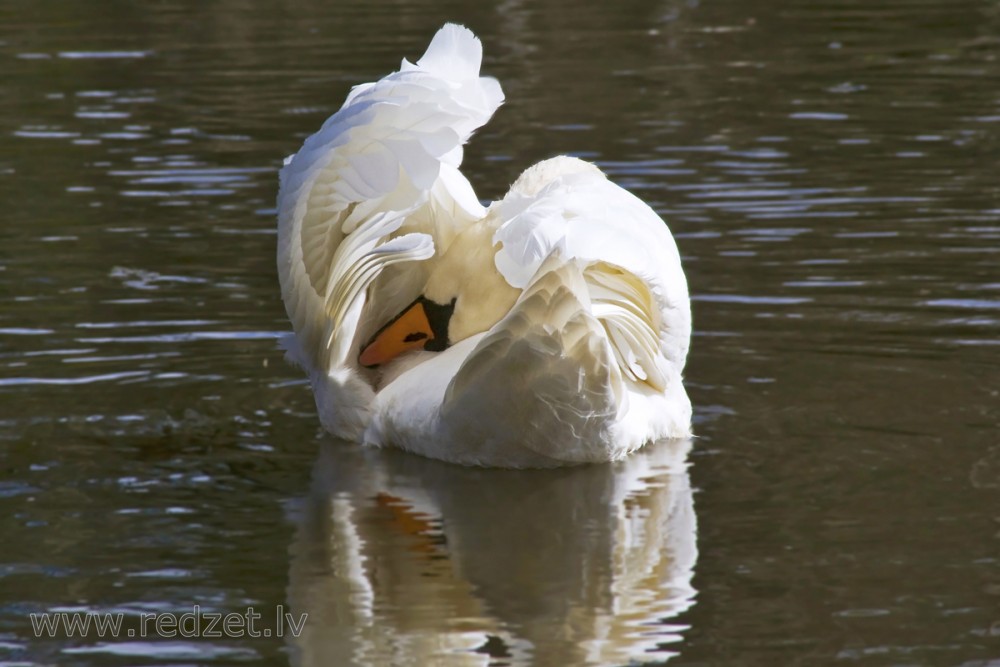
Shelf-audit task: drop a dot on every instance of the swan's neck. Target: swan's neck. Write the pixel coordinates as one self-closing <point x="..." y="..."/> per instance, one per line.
<point x="468" y="274"/>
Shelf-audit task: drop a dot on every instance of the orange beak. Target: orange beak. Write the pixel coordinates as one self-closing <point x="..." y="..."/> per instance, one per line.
<point x="423" y="325"/>
<point x="410" y="330"/>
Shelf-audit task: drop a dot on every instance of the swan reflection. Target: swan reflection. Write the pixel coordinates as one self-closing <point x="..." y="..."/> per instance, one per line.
<point x="400" y="560"/>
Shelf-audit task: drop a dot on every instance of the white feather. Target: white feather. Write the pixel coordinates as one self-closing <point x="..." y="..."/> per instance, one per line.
<point x="382" y="152"/>
<point x="585" y="217"/>
<point x="379" y="158"/>
<point x="571" y="313"/>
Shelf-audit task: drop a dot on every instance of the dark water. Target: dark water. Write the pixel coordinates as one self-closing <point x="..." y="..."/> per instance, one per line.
<point x="830" y="172"/>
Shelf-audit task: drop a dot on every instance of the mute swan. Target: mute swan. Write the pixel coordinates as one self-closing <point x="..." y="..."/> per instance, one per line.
<point x="551" y="328"/>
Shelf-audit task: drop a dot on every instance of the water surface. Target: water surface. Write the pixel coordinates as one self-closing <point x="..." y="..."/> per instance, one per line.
<point x="829" y="171"/>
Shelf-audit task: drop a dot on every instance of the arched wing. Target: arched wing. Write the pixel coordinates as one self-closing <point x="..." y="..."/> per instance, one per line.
<point x="635" y="282"/>
<point x="377" y="187"/>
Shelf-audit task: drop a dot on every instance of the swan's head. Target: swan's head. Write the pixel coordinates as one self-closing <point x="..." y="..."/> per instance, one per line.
<point x="464" y="295"/>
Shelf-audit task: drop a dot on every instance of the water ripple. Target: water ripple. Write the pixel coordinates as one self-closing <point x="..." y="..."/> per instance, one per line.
<point x="91" y="379"/>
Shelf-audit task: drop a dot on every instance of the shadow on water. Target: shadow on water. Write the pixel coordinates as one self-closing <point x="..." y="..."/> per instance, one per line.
<point x="407" y="561"/>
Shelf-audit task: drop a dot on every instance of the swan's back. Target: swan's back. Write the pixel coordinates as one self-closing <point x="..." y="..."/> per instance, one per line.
<point x="586" y="366"/>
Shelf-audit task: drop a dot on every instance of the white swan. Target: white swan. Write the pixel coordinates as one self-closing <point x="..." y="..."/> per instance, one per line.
<point x="551" y="328"/>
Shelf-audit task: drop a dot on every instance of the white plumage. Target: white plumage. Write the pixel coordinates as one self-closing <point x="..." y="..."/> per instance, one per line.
<point x="569" y="317"/>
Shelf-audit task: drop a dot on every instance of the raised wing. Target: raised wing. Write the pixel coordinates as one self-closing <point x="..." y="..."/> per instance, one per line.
<point x="377" y="187"/>
<point x="632" y="268"/>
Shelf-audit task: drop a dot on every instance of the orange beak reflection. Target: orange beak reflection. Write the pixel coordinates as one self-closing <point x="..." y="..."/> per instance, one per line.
<point x="422" y="326"/>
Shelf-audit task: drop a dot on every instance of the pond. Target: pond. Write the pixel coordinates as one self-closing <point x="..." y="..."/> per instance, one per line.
<point x="829" y="171"/>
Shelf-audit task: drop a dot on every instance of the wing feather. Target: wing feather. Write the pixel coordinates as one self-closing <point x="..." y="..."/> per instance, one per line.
<point x="636" y="285"/>
<point x="568" y="388"/>
<point x="386" y="164"/>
